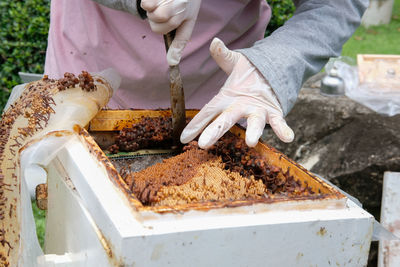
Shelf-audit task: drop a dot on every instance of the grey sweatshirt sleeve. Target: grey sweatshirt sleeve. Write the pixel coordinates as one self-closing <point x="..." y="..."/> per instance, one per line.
<point x="123" y="5"/>
<point x="302" y="46"/>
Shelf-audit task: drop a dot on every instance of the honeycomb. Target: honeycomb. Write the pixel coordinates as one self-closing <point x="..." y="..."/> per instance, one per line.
<point x="229" y="170"/>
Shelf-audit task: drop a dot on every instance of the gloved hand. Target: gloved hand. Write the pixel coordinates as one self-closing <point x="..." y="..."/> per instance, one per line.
<point x="167" y="15"/>
<point x="245" y="93"/>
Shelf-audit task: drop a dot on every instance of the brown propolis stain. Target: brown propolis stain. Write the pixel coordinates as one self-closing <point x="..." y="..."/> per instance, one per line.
<point x="322" y="231"/>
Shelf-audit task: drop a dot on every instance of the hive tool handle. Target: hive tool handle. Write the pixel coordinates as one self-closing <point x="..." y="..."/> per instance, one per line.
<point x="176" y="95"/>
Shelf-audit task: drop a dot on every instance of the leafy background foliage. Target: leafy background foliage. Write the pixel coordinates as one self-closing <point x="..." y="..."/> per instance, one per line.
<point x="23" y="39"/>
<point x="282" y="10"/>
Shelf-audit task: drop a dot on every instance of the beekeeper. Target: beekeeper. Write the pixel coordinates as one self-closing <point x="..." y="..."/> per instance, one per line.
<point x="255" y="77"/>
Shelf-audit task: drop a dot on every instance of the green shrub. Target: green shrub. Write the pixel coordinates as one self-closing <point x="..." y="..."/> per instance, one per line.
<point x="282" y="10"/>
<point x="23" y="39"/>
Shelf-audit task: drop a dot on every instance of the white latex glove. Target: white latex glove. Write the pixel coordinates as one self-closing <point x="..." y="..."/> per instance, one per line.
<point x="245" y="93"/>
<point x="167" y="15"/>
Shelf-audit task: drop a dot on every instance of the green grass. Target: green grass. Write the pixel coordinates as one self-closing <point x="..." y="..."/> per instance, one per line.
<point x="40" y="220"/>
<point x="382" y="39"/>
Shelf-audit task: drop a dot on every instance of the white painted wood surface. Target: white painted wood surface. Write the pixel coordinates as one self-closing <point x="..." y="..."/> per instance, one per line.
<point x="121" y="236"/>
<point x="389" y="251"/>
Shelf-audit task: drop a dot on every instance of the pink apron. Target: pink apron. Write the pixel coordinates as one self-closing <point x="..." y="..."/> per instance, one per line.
<point x="85" y="35"/>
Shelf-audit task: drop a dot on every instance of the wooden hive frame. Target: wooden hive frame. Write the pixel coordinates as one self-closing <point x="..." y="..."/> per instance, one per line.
<point x="375" y="69"/>
<point x="109" y="122"/>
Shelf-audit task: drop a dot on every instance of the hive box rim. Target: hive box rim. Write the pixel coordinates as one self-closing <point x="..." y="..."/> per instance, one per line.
<point x="114" y="120"/>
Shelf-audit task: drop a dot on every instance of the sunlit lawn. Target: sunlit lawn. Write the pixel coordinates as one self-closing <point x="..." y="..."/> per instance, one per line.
<point x="382" y="39"/>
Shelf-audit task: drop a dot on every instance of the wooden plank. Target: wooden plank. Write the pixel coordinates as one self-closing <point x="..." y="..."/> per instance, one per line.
<point x="115" y="120"/>
<point x="389" y="251"/>
<point x="382" y="70"/>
